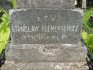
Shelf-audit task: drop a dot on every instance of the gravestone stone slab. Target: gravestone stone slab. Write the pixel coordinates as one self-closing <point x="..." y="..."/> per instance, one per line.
<point x="66" y="4"/>
<point x="45" y="35"/>
<point x="45" y="26"/>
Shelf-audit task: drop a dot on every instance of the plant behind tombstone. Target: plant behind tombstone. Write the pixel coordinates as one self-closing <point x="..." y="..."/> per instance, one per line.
<point x="4" y="30"/>
<point x="87" y="33"/>
<point x="14" y="3"/>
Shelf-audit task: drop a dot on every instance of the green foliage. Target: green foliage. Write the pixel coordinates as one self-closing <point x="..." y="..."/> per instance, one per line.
<point x="88" y="39"/>
<point x="87" y="33"/>
<point x="86" y="24"/>
<point x="4" y="30"/>
<point x="4" y="27"/>
<point x="14" y="3"/>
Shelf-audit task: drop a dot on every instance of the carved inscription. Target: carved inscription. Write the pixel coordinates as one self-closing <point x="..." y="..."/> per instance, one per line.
<point x="45" y="27"/>
<point x="46" y="18"/>
<point x="44" y="30"/>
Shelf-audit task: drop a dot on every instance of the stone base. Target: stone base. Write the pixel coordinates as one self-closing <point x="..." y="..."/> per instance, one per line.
<point x="46" y="53"/>
<point x="44" y="66"/>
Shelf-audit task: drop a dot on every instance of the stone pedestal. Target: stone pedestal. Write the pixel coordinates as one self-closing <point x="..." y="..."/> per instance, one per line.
<point x="45" y="66"/>
<point x="46" y="53"/>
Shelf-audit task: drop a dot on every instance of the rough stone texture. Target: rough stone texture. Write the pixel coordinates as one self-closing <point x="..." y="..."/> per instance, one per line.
<point x="69" y="49"/>
<point x="46" y="53"/>
<point x="67" y="54"/>
<point x="45" y="66"/>
<point x="46" y="4"/>
<point x="45" y="26"/>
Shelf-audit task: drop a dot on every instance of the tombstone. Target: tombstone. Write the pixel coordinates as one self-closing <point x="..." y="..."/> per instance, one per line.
<point x="45" y="39"/>
<point x="6" y="5"/>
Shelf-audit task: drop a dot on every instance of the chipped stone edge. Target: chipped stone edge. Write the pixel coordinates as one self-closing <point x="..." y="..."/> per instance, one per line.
<point x="46" y="65"/>
<point x="78" y="10"/>
<point x="11" y="11"/>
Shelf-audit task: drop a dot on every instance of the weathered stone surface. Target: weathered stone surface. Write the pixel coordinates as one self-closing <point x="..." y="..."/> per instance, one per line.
<point x="46" y="53"/>
<point x="45" y="66"/>
<point x="25" y="48"/>
<point x="67" y="4"/>
<point x="45" y="26"/>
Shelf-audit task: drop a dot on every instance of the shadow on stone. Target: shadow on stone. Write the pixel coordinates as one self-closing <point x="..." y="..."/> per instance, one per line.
<point x="6" y="5"/>
<point x="89" y="58"/>
<point x="2" y="58"/>
<point x="90" y="61"/>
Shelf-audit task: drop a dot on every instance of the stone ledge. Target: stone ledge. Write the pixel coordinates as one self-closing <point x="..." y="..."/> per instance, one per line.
<point x="45" y="53"/>
<point x="10" y="65"/>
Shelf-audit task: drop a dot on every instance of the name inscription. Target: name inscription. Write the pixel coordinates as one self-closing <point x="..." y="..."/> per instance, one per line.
<point x="47" y="28"/>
